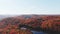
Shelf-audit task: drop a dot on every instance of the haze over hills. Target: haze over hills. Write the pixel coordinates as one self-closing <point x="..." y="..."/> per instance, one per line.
<point x="5" y="16"/>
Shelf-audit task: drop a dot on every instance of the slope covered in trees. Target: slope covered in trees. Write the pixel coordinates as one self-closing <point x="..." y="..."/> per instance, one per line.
<point x="35" y="22"/>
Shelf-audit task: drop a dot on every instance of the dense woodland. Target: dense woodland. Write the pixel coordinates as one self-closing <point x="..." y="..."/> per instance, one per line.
<point x="13" y="25"/>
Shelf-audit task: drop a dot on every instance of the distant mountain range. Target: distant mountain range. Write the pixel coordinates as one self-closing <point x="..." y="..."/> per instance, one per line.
<point x="5" y="16"/>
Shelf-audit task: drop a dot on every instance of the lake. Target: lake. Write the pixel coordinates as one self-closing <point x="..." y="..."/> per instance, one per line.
<point x="35" y="32"/>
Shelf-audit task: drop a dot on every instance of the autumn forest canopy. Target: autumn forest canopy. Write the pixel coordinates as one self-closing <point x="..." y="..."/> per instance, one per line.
<point x="46" y="23"/>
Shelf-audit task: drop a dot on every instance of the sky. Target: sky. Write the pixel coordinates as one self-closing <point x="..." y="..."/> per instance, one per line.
<point x="18" y="7"/>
